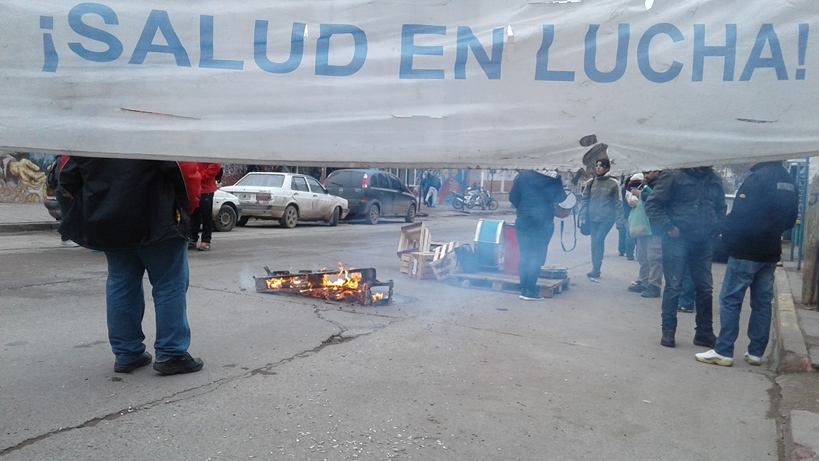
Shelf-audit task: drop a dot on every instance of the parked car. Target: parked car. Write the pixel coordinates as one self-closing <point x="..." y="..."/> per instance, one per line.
<point x="288" y="197"/>
<point x="226" y="210"/>
<point x="372" y="194"/>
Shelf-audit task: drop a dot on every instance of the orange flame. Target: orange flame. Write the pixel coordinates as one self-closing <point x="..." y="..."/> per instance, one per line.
<point x="334" y="286"/>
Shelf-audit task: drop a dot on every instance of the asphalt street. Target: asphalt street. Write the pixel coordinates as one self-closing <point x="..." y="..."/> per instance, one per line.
<point x="443" y="373"/>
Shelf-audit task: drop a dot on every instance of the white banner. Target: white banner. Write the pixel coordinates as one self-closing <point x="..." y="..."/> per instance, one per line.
<point x="416" y="83"/>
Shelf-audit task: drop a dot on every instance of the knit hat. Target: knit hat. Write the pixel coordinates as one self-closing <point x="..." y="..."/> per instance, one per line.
<point x="635" y="181"/>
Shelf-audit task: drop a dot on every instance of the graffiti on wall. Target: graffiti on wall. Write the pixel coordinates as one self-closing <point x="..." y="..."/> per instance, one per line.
<point x="23" y="176"/>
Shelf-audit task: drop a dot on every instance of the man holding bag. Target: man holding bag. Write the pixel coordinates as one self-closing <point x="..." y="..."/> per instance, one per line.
<point x="649" y="248"/>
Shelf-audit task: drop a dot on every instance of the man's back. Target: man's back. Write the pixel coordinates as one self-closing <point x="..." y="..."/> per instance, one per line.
<point x="124" y="204"/>
<point x="765" y="206"/>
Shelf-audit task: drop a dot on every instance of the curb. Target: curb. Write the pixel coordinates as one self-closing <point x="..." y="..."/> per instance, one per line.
<point x="791" y="353"/>
<point x="29" y="227"/>
<point x="802" y="429"/>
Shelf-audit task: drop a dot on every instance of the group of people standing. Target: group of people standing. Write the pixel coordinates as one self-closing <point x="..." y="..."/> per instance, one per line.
<point x="685" y="209"/>
<point x="431" y="187"/>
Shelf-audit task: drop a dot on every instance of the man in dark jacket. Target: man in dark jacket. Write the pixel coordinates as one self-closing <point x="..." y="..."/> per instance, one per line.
<point x="688" y="207"/>
<point x="765" y="206"/>
<point x="136" y="211"/>
<point x="534" y="196"/>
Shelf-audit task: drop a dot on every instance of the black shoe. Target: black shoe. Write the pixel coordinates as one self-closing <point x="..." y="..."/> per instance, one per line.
<point x="531" y="296"/>
<point x="705" y="340"/>
<point x="651" y="292"/>
<point x="630" y="258"/>
<point x="179" y="364"/>
<point x="637" y="288"/>
<point x="143" y="360"/>
<point x="667" y="340"/>
<point x="594" y="274"/>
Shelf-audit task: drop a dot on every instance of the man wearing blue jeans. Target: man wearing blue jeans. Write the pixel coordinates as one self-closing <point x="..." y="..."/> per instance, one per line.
<point x="601" y="205"/>
<point x="688" y="207"/>
<point x="766" y="205"/>
<point x="136" y="211"/>
<point x="534" y="196"/>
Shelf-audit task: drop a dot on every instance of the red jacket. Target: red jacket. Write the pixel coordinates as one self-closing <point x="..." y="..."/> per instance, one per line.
<point x="193" y="183"/>
<point x="209" y="172"/>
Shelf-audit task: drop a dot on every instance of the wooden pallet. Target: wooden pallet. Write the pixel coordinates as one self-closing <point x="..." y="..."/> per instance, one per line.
<point x="509" y="283"/>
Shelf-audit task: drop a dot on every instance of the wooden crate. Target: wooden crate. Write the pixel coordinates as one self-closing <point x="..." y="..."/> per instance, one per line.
<point x="420" y="268"/>
<point x="552" y="272"/>
<point x="406" y="263"/>
<point x="414" y="237"/>
<point x="443" y="267"/>
<point x="444" y="261"/>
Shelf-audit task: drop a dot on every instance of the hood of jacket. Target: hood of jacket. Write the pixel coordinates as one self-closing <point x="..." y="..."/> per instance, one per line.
<point x="535" y="193"/>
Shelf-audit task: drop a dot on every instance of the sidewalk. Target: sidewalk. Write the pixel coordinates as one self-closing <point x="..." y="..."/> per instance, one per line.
<point x="795" y="339"/>
<point x="24" y="217"/>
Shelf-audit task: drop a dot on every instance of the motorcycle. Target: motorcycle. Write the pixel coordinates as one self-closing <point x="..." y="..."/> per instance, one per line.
<point x="474" y="197"/>
<point x="458" y="200"/>
<point x="480" y="198"/>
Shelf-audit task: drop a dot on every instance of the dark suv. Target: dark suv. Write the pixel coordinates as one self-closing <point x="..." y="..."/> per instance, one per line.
<point x="372" y="194"/>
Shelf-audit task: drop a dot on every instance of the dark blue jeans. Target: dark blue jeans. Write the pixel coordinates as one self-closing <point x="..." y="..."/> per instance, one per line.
<point x="203" y="217"/>
<point x="697" y="255"/>
<point x="599" y="231"/>
<point x="167" y="267"/>
<point x="626" y="244"/>
<point x="739" y="276"/>
<point x="533" y="234"/>
<point x="687" y="296"/>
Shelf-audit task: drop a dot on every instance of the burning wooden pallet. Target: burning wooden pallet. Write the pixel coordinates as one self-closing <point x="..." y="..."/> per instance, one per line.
<point x="349" y="285"/>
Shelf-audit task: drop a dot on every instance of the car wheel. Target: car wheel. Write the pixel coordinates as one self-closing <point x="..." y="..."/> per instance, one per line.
<point x="242" y="221"/>
<point x="372" y="214"/>
<point x="290" y="217"/>
<point x="226" y="219"/>
<point x="410" y="217"/>
<point x="336" y="216"/>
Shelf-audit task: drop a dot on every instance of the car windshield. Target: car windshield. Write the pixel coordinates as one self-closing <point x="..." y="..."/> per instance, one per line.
<point x="262" y="180"/>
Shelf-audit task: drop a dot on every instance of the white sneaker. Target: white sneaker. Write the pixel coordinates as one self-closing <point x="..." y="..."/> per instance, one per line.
<point x="69" y="244"/>
<point x="712" y="357"/>
<point x="753" y="360"/>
